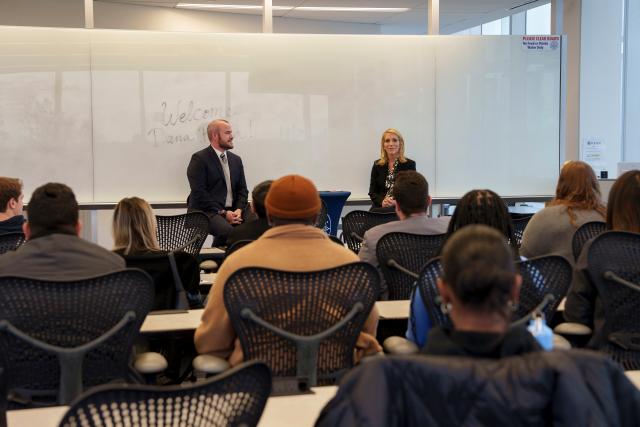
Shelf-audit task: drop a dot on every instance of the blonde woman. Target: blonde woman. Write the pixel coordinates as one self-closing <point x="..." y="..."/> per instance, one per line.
<point x="134" y="235"/>
<point x="386" y="168"/>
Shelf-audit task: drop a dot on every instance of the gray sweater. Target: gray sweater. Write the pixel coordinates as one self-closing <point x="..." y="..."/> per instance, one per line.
<point x="550" y="232"/>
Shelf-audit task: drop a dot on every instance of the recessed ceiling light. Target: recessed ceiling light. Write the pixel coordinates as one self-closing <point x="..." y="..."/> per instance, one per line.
<point x="302" y="8"/>
<point x="228" y="6"/>
<point x="352" y="9"/>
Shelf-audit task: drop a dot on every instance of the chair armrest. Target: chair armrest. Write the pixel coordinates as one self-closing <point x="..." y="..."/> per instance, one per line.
<point x="399" y="345"/>
<point x="208" y="265"/>
<point x="150" y="363"/>
<point x="210" y="365"/>
<point x="570" y="328"/>
<point x="560" y="343"/>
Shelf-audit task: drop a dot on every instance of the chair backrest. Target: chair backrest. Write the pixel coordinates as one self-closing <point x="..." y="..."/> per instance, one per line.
<point x="237" y="245"/>
<point x="10" y="242"/>
<point x="303" y="304"/>
<point x="412" y="252"/>
<point x="541" y="276"/>
<point x="186" y="232"/>
<point x="70" y="314"/>
<point x="618" y="252"/>
<point x="235" y="398"/>
<point x="323" y="217"/>
<point x="519" y="224"/>
<point x="169" y="294"/>
<point x="428" y="288"/>
<point x="356" y="223"/>
<point x="540" y="388"/>
<point x="584" y="233"/>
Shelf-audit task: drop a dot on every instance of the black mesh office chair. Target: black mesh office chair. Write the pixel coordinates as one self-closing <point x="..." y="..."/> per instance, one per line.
<point x="401" y="256"/>
<point x="323" y="217"/>
<point x="584" y="233"/>
<point x="237" y="245"/>
<point x="614" y="268"/>
<point x="186" y="232"/>
<point x="303" y="325"/>
<point x="234" y="398"/>
<point x="545" y="281"/>
<point x="10" y="242"/>
<point x="57" y="337"/>
<point x="177" y="284"/>
<point x="519" y="224"/>
<point x="356" y="223"/>
<point x="427" y="286"/>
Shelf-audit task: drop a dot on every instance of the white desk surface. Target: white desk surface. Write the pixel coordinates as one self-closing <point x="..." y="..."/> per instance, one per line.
<point x="634" y="376"/>
<point x="211" y="251"/>
<point x="179" y="321"/>
<point x="299" y="411"/>
<point x="208" y="278"/>
<point x="393" y="309"/>
<point x="189" y="320"/>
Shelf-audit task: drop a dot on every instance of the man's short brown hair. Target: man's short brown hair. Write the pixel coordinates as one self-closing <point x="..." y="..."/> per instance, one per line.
<point x="411" y="192"/>
<point x="10" y="188"/>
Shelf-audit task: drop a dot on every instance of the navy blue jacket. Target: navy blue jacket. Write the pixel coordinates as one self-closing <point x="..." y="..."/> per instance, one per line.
<point x="208" y="187"/>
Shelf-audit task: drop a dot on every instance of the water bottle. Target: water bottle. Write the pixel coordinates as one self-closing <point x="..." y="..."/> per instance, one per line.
<point x="541" y="332"/>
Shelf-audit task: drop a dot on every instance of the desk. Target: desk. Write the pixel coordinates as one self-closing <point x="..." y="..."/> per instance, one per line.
<point x="189" y="320"/>
<point x="393" y="309"/>
<point x="172" y="322"/>
<point x="207" y="279"/>
<point x="300" y="411"/>
<point x="211" y="251"/>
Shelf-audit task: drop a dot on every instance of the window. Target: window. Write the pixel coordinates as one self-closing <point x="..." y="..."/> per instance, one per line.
<point x="496" y="28"/>
<point x="539" y="20"/>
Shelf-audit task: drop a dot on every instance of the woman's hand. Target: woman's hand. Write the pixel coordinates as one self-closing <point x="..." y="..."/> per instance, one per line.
<point x="388" y="202"/>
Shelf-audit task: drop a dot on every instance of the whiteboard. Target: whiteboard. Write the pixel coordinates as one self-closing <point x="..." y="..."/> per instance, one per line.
<point x="137" y="102"/>
<point x="45" y="108"/>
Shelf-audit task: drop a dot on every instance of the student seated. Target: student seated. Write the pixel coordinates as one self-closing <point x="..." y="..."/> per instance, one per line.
<point x="11" y="218"/>
<point x="577" y="201"/>
<point x="475" y="207"/>
<point x="292" y="244"/>
<point x="479" y="289"/>
<point x="251" y="230"/>
<point x="54" y="250"/>
<point x="623" y="214"/>
<point x="134" y="234"/>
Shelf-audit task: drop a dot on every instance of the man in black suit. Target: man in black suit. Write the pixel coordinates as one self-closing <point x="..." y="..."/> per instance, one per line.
<point x="218" y="186"/>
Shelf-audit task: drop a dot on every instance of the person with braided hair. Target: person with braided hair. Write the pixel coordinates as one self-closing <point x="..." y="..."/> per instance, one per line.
<point x="476" y="207"/>
<point x="484" y="207"/>
<point x="478" y="289"/>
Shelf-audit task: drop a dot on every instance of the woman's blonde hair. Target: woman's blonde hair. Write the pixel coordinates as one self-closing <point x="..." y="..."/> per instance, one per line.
<point x="384" y="159"/>
<point x="578" y="189"/>
<point x="134" y="227"/>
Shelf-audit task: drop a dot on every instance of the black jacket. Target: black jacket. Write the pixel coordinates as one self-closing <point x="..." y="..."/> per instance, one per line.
<point x="446" y="342"/>
<point x="12" y="225"/>
<point x="208" y="187"/>
<point x="249" y="230"/>
<point x="377" y="191"/>
<point x="558" y="388"/>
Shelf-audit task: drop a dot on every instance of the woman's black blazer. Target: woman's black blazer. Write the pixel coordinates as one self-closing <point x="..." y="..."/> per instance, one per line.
<point x="379" y="176"/>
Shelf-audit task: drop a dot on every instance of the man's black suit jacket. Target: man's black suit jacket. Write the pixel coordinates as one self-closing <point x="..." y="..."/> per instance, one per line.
<point x="208" y="187"/>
